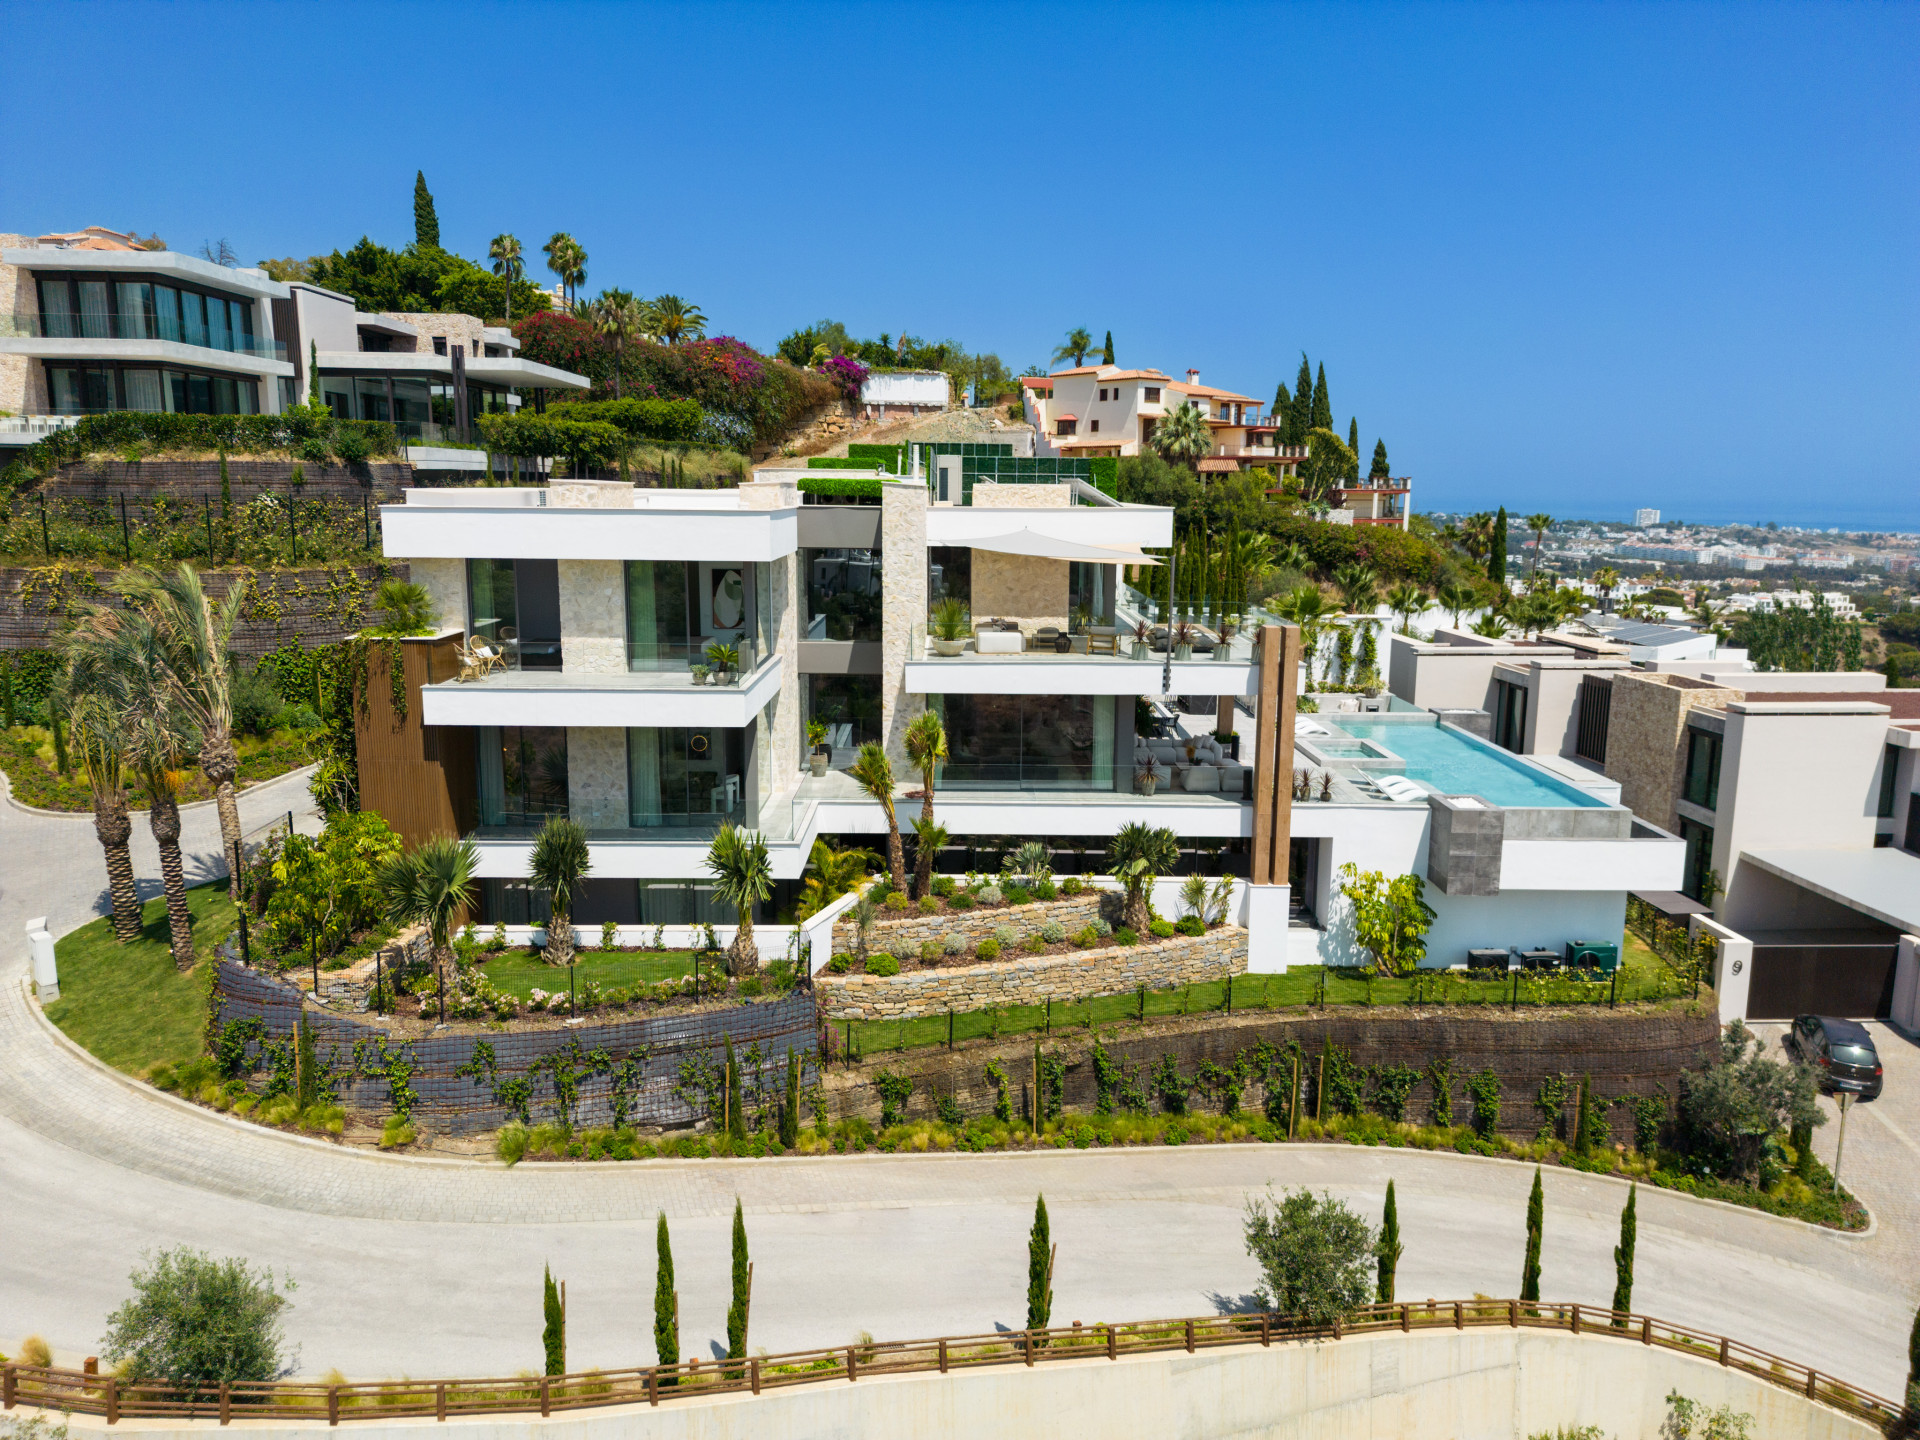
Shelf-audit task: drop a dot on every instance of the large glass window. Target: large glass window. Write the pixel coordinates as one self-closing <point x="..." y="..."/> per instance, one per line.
<point x="843" y="594"/>
<point x="492" y="612"/>
<point x="1698" y="872"/>
<point x="657" y="630"/>
<point x="1889" y="768"/>
<point x="166" y="307"/>
<point x="218" y="335"/>
<point x="144" y="391"/>
<point x="1510" y="716"/>
<point x="1028" y="742"/>
<point x="1089" y="594"/>
<point x="685" y="777"/>
<point x="1703" y="768"/>
<point x="849" y="705"/>
<point x="57" y="317"/>
<point x="523" y="774"/>
<point x="136" y="311"/>
<point x="950" y="574"/>
<point x="96" y="310"/>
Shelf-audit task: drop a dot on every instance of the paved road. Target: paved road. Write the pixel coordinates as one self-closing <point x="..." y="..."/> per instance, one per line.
<point x="434" y="1267"/>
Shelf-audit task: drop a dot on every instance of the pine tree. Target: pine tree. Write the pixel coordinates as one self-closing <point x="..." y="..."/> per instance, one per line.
<point x="1623" y="1260"/>
<point x="426" y="225"/>
<point x="1039" y="1268"/>
<point x="1379" y="470"/>
<point x="554" y="1335"/>
<point x="1106" y="355"/>
<point x="742" y="1268"/>
<point x="1300" y="413"/>
<point x="790" y="1108"/>
<point x="1353" y="444"/>
<point x="1322" y="407"/>
<point x="1497" y="555"/>
<point x="1389" y="1249"/>
<point x="1536" y="1220"/>
<point x="666" y="1304"/>
<point x="736" y="1118"/>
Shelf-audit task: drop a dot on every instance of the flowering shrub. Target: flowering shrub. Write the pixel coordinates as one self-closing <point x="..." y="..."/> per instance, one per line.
<point x="849" y="375"/>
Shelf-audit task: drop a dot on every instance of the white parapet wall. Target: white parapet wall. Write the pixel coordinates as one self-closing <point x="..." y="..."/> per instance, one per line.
<point x="1488" y="1384"/>
<point x="1732" y="965"/>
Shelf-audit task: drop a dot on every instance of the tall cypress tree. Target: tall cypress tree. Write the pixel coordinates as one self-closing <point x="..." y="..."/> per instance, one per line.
<point x="426" y="225"/>
<point x="553" y="1336"/>
<point x="1623" y="1260"/>
<point x="737" y="1311"/>
<point x="1322" y="407"/>
<point x="313" y="373"/>
<point x="1039" y="1266"/>
<point x="1379" y="470"/>
<point x="1389" y="1249"/>
<point x="1497" y="554"/>
<point x="1913" y="1373"/>
<point x="736" y="1120"/>
<point x="666" y="1304"/>
<point x="1536" y="1221"/>
<point x="790" y="1107"/>
<point x="1300" y="414"/>
<point x="1282" y="408"/>
<point x="1353" y="444"/>
<point x="1106" y="355"/>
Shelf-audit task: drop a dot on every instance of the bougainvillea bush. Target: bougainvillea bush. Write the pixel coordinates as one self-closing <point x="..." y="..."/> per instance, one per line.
<point x="849" y="375"/>
<point x="743" y="392"/>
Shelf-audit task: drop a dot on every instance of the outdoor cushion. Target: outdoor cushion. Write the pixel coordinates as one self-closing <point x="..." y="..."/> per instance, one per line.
<point x="999" y="642"/>
<point x="1197" y="778"/>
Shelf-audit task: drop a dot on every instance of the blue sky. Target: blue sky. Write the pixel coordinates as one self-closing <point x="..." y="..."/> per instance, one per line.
<point x="1579" y="258"/>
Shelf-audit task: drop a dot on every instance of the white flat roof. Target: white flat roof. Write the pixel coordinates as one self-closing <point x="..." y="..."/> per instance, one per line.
<point x="487" y="369"/>
<point x="151" y="262"/>
<point x="1882" y="883"/>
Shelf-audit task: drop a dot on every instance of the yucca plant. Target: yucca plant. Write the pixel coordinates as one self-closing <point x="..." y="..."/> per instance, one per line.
<point x="431" y="885"/>
<point x="559" y="862"/>
<point x="873" y="772"/>
<point x="405" y="608"/>
<point x="743" y="877"/>
<point x="1140" y="852"/>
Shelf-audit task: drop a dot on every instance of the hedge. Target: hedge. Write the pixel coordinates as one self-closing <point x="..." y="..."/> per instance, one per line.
<point x="25" y="677"/>
<point x="840" y="462"/>
<point x="309" y="433"/>
<point x="841" y="485"/>
<point x="1390" y="552"/>
<point x="663" y="420"/>
<point x="893" y="457"/>
<point x="1105" y="473"/>
<point x="592" y="441"/>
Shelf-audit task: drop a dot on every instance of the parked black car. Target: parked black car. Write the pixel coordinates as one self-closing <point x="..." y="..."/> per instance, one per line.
<point x="1841" y="1050"/>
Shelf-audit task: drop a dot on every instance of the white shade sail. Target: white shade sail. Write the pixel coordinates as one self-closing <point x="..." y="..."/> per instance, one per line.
<point x="1045" y="547"/>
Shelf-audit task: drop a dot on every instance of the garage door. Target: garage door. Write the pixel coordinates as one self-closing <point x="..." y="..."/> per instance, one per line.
<point x="1850" y="980"/>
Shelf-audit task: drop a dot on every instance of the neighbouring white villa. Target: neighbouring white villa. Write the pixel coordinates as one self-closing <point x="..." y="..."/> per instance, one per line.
<point x="564" y="682"/>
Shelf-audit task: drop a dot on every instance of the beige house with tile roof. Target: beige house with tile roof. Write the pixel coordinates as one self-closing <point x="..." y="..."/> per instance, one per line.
<point x="1095" y="410"/>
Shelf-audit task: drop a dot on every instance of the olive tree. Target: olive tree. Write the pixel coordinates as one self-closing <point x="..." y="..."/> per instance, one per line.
<point x="200" y="1323"/>
<point x="1730" y="1110"/>
<point x="1317" y="1257"/>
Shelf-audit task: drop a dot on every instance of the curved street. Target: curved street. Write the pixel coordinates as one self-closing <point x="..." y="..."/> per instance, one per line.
<point x="433" y="1267"/>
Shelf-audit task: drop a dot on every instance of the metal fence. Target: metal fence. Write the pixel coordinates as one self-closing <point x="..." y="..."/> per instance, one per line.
<point x="631" y="1071"/>
<point x="115" y="1399"/>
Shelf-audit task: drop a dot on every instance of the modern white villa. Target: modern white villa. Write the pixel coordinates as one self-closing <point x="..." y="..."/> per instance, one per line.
<point x="1067" y="716"/>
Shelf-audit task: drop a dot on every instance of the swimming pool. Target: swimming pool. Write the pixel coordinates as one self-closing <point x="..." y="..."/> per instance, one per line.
<point x="1457" y="764"/>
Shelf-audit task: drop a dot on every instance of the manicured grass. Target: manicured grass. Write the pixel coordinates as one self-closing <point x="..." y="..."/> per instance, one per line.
<point x="126" y="1003"/>
<point x="520" y="974"/>
<point x="1643" y="977"/>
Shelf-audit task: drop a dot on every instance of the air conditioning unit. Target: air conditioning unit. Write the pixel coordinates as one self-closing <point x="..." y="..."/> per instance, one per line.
<point x="1593" y="955"/>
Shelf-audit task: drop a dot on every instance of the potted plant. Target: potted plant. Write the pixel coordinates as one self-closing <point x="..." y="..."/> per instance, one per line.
<point x="700" y="674"/>
<point x="819" y="754"/>
<point x="726" y="659"/>
<point x="1227" y="629"/>
<point x="1147" y="777"/>
<point x="1183" y="640"/>
<point x="1142" y="641"/>
<point x="949" y="625"/>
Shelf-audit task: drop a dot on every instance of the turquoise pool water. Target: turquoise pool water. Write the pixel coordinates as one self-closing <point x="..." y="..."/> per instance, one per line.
<point x="1457" y="764"/>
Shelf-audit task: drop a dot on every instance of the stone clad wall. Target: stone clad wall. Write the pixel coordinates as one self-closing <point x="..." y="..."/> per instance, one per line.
<point x="1185" y="959"/>
<point x="1646" y="734"/>
<point x="103" y="481"/>
<point x="597" y="777"/>
<point x="904" y="936"/>
<point x="903" y="551"/>
<point x="1020" y="587"/>
<point x="593" y="617"/>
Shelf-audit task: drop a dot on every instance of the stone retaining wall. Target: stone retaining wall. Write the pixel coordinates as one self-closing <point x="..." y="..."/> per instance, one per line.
<point x="1184" y="959"/>
<point x="1626" y="1054"/>
<point x="904" y="936"/>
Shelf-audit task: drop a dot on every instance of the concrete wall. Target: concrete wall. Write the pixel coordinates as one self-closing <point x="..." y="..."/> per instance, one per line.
<point x="1732" y="966"/>
<point x="1906" y="985"/>
<point x="1759" y="900"/>
<point x="1477" y="1384"/>
<point x="1553" y="706"/>
<point x="1797" y="776"/>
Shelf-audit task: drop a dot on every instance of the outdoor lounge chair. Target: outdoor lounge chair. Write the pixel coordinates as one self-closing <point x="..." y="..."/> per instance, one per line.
<point x="479" y="659"/>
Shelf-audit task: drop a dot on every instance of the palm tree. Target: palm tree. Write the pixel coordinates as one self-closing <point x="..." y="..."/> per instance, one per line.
<point x="674" y="320"/>
<point x="926" y="742"/>
<point x="1490" y="625"/>
<point x="873" y="772"/>
<point x="1074" y="347"/>
<point x="929" y="839"/>
<point x="196" y="636"/>
<point x="94" y="734"/>
<point x="431" y="885"/>
<point x="1476" y="535"/>
<point x="1406" y="600"/>
<point x="559" y="862"/>
<point x="567" y="260"/>
<point x="1291" y="555"/>
<point x="1539" y="523"/>
<point x="125" y="660"/>
<point x="620" y="318"/>
<point x="1606" y="580"/>
<point x="1457" y="599"/>
<point x="1306" y="607"/>
<point x="1359" y="588"/>
<point x="742" y="878"/>
<point x="505" y="254"/>
<point x="835" y="872"/>
<point x="1184" y="435"/>
<point x="1140" y="852"/>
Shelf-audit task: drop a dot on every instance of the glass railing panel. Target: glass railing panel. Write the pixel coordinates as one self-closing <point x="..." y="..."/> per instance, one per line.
<point x="664" y="658"/>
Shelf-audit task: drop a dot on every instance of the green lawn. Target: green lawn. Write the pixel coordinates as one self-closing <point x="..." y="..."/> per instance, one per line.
<point x="519" y="974"/>
<point x="1643" y="976"/>
<point x="126" y="1003"/>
